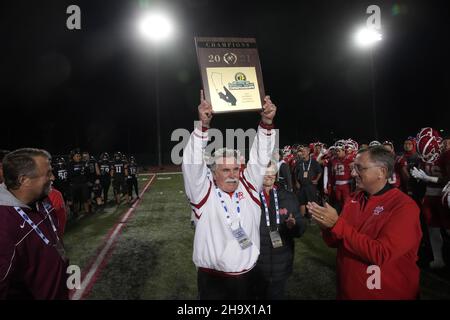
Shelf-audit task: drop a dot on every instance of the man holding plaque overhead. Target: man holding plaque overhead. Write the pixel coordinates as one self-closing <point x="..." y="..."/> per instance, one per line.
<point x="225" y="201"/>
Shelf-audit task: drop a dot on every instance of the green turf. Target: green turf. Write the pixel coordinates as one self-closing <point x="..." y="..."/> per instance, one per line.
<point x="153" y="256"/>
<point x="153" y="259"/>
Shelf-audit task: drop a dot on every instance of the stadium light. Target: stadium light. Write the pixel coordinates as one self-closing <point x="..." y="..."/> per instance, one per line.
<point x="367" y="37"/>
<point x="156" y="26"/>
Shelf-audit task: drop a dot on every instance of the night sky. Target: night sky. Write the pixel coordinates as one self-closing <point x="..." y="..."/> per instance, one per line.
<point x="95" y="87"/>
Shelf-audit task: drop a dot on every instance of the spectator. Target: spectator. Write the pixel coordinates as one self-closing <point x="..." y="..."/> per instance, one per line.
<point x="308" y="172"/>
<point x="281" y="222"/>
<point x="32" y="260"/>
<point x="284" y="178"/>
<point x="57" y="201"/>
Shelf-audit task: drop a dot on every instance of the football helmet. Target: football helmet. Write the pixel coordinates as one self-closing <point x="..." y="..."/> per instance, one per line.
<point x="104" y="156"/>
<point x="428" y="144"/>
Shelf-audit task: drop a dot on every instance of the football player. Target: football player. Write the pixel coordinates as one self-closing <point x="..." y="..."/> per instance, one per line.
<point x="341" y="175"/>
<point x="434" y="171"/>
<point x="118" y="173"/>
<point x="132" y="181"/>
<point x="395" y="180"/>
<point x="78" y="181"/>
<point x="105" y="167"/>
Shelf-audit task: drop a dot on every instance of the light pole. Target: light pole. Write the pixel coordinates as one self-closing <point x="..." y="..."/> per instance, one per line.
<point x="366" y="38"/>
<point x="156" y="27"/>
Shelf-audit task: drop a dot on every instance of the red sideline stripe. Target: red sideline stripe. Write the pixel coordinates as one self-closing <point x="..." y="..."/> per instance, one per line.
<point x="90" y="277"/>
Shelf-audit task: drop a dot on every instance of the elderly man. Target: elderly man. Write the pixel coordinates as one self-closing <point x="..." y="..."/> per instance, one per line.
<point x="226" y="205"/>
<point x="377" y="234"/>
<point x="32" y="261"/>
<point x="281" y="223"/>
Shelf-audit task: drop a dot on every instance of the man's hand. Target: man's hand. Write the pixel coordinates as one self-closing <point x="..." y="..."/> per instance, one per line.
<point x="290" y="222"/>
<point x="326" y="217"/>
<point x="269" y="110"/>
<point x="322" y="152"/>
<point x="205" y="111"/>
<point x="421" y="175"/>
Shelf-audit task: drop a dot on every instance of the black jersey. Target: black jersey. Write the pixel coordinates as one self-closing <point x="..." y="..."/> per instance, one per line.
<point x="119" y="168"/>
<point x="77" y="172"/>
<point x="60" y="172"/>
<point x="105" y="168"/>
<point x="90" y="168"/>
<point x="132" y="169"/>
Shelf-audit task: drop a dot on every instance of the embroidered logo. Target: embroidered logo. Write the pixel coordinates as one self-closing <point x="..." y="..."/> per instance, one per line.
<point x="378" y="210"/>
<point x="240" y="196"/>
<point x="283" y="211"/>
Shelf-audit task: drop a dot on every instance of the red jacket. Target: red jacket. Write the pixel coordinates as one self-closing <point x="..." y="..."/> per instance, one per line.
<point x="58" y="204"/>
<point x="382" y="230"/>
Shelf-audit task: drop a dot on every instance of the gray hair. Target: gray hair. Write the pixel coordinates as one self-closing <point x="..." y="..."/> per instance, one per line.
<point x="223" y="153"/>
<point x="21" y="163"/>
<point x="381" y="157"/>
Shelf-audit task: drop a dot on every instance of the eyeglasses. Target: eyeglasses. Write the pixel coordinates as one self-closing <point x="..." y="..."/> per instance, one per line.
<point x="358" y="168"/>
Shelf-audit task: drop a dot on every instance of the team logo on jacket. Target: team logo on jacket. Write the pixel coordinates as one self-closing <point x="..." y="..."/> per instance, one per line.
<point x="378" y="210"/>
<point x="283" y="211"/>
<point x="240" y="195"/>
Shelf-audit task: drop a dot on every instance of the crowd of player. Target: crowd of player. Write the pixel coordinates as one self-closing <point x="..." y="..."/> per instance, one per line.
<point x="85" y="182"/>
<point x="422" y="171"/>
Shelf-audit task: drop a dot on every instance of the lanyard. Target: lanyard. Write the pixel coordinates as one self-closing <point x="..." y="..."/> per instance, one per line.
<point x="309" y="165"/>
<point x="238" y="209"/>
<point x="50" y="217"/>
<point x="32" y="224"/>
<point x="266" y="209"/>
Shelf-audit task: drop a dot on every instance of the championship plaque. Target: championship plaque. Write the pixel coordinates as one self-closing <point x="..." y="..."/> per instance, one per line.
<point x="231" y="73"/>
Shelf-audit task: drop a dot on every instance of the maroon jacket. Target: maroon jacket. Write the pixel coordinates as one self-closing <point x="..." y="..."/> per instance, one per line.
<point x="29" y="268"/>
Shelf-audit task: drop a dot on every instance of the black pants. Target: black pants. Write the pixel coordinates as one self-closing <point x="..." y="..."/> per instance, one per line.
<point x="132" y="183"/>
<point x="307" y="193"/>
<point x="269" y="290"/>
<point x="106" y="183"/>
<point x="218" y="287"/>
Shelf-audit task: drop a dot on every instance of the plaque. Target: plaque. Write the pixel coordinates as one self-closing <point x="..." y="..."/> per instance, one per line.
<point x="231" y="73"/>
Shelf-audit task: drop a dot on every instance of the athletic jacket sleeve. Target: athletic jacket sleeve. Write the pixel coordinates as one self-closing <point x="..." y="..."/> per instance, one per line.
<point x="284" y="168"/>
<point x="195" y="171"/>
<point x="7" y="245"/>
<point x="400" y="235"/>
<point x="260" y="155"/>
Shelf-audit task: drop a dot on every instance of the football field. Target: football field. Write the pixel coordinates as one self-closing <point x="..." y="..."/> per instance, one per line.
<point x="145" y="252"/>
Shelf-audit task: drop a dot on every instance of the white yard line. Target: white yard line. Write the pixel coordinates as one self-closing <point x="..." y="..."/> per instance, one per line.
<point x="88" y="280"/>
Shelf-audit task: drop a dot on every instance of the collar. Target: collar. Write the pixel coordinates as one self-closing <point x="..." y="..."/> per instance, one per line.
<point x="385" y="189"/>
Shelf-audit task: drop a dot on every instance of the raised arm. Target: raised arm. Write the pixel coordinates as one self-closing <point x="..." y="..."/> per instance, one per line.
<point x="196" y="181"/>
<point x="263" y="146"/>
